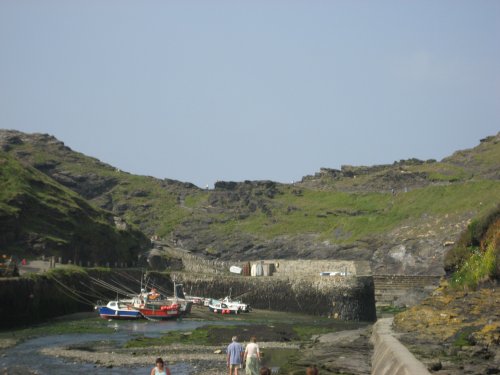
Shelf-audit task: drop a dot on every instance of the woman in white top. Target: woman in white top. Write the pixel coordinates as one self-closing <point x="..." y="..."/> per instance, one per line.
<point x="160" y="368"/>
<point x="252" y="357"/>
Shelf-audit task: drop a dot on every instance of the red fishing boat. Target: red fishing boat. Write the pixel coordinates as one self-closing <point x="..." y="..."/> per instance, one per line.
<point x="158" y="311"/>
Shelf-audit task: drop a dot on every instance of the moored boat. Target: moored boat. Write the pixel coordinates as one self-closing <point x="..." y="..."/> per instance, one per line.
<point x="218" y="306"/>
<point x="155" y="299"/>
<point x="117" y="310"/>
<point x="237" y="304"/>
<point x="180" y="298"/>
<point x="159" y="311"/>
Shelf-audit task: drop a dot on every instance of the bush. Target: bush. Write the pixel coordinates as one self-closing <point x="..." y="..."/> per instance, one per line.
<point x="470" y="240"/>
<point x="476" y="257"/>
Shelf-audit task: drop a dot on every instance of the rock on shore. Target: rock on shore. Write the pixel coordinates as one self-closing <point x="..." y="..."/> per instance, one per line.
<point x="455" y="332"/>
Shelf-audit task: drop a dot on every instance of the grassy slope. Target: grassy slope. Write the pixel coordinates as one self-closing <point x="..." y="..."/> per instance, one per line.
<point x="34" y="208"/>
<point x="157" y="210"/>
<point x="347" y="217"/>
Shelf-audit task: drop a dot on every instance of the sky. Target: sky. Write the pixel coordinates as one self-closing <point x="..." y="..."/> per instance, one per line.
<point x="202" y="91"/>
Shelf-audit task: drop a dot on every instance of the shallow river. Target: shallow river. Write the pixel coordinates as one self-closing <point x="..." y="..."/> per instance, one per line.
<point x="26" y="357"/>
<point x="27" y="354"/>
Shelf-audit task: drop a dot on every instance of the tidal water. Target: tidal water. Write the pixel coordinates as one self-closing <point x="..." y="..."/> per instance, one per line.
<point x="27" y="354"/>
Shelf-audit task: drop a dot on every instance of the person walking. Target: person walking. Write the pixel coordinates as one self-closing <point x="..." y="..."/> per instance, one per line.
<point x="252" y="357"/>
<point x="160" y="368"/>
<point x="234" y="356"/>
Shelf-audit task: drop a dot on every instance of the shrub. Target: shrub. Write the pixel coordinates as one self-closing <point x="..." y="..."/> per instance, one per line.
<point x="476" y="258"/>
<point x="472" y="238"/>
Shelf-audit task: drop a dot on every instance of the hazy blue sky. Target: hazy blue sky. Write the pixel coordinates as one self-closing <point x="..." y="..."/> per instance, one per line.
<point x="202" y="91"/>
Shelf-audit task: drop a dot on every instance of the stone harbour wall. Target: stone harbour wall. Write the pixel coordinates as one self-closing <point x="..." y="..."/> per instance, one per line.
<point x="403" y="290"/>
<point x="26" y="300"/>
<point x="390" y="357"/>
<point x="344" y="298"/>
<point x="30" y="300"/>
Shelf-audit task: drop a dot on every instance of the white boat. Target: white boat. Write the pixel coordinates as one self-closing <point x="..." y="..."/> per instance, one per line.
<point x="236" y="303"/>
<point x="218" y="306"/>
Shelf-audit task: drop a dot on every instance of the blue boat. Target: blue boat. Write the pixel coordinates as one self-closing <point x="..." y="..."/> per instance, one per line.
<point x="118" y="310"/>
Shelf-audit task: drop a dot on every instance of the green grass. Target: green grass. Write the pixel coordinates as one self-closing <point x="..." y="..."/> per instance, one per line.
<point x="477" y="268"/>
<point x="359" y="215"/>
<point x="35" y="206"/>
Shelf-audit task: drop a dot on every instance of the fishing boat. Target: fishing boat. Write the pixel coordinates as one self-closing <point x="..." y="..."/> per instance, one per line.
<point x="120" y="309"/>
<point x="159" y="311"/>
<point x="181" y="299"/>
<point x="218" y="306"/>
<point x="150" y="305"/>
<point x="244" y="307"/>
<point x="154" y="298"/>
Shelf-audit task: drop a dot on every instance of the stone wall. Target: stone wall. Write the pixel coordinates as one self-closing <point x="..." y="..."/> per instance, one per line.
<point x="390" y="357"/>
<point x="29" y="300"/>
<point x="26" y="300"/>
<point x="403" y="290"/>
<point x="304" y="267"/>
<point x="350" y="298"/>
<point x="293" y="268"/>
<point x="62" y="291"/>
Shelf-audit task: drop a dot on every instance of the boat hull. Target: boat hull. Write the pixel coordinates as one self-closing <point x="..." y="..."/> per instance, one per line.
<point x="222" y="308"/>
<point x="108" y="313"/>
<point x="160" y="312"/>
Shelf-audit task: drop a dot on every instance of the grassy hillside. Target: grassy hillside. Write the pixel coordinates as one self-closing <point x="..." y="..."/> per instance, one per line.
<point x="38" y="216"/>
<point x="347" y="217"/>
<point x="152" y="205"/>
<point x="353" y="212"/>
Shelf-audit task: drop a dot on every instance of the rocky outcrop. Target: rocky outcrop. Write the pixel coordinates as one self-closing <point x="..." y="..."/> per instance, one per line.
<point x="455" y="331"/>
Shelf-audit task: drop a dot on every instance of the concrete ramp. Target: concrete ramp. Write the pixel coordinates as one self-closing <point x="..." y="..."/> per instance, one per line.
<point x="390" y="357"/>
